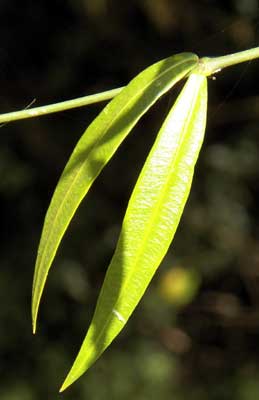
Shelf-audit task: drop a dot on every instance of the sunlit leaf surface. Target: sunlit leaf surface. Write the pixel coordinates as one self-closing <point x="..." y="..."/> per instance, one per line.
<point x="94" y="150"/>
<point x="151" y="219"/>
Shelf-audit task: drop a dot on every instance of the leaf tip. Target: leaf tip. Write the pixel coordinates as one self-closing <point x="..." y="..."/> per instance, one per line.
<point x="71" y="377"/>
<point x="65" y="385"/>
<point x="33" y="329"/>
<point x="34" y="321"/>
<point x="34" y="312"/>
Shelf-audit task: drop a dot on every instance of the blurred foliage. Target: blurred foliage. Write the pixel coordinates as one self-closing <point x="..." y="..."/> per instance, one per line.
<point x="208" y="347"/>
<point x="178" y="286"/>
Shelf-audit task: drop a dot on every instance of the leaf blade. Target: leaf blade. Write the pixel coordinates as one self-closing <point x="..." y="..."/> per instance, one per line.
<point x="150" y="222"/>
<point x="93" y="151"/>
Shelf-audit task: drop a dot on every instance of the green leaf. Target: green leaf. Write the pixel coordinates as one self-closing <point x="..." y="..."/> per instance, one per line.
<point x="150" y="222"/>
<point x="94" y="150"/>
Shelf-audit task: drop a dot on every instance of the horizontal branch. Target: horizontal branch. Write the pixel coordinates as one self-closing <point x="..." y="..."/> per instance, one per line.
<point x="62" y="106"/>
<point x="212" y="65"/>
<point x="207" y="66"/>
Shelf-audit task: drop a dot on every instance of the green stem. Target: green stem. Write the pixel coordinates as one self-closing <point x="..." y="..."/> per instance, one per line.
<point x="210" y="66"/>
<point x="207" y="66"/>
<point x="64" y="105"/>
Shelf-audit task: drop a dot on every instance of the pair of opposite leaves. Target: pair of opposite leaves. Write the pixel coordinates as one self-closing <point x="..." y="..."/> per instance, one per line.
<point x="155" y="206"/>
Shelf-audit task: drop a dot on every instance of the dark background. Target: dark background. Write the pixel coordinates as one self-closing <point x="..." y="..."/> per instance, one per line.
<point x="195" y="334"/>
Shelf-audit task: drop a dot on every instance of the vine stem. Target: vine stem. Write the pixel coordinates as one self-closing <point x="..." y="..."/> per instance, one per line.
<point x="62" y="106"/>
<point x="207" y="66"/>
<point x="210" y="66"/>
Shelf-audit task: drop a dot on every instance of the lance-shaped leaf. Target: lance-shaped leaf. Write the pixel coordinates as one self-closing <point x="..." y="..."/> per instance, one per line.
<point x="94" y="150"/>
<point x="150" y="222"/>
